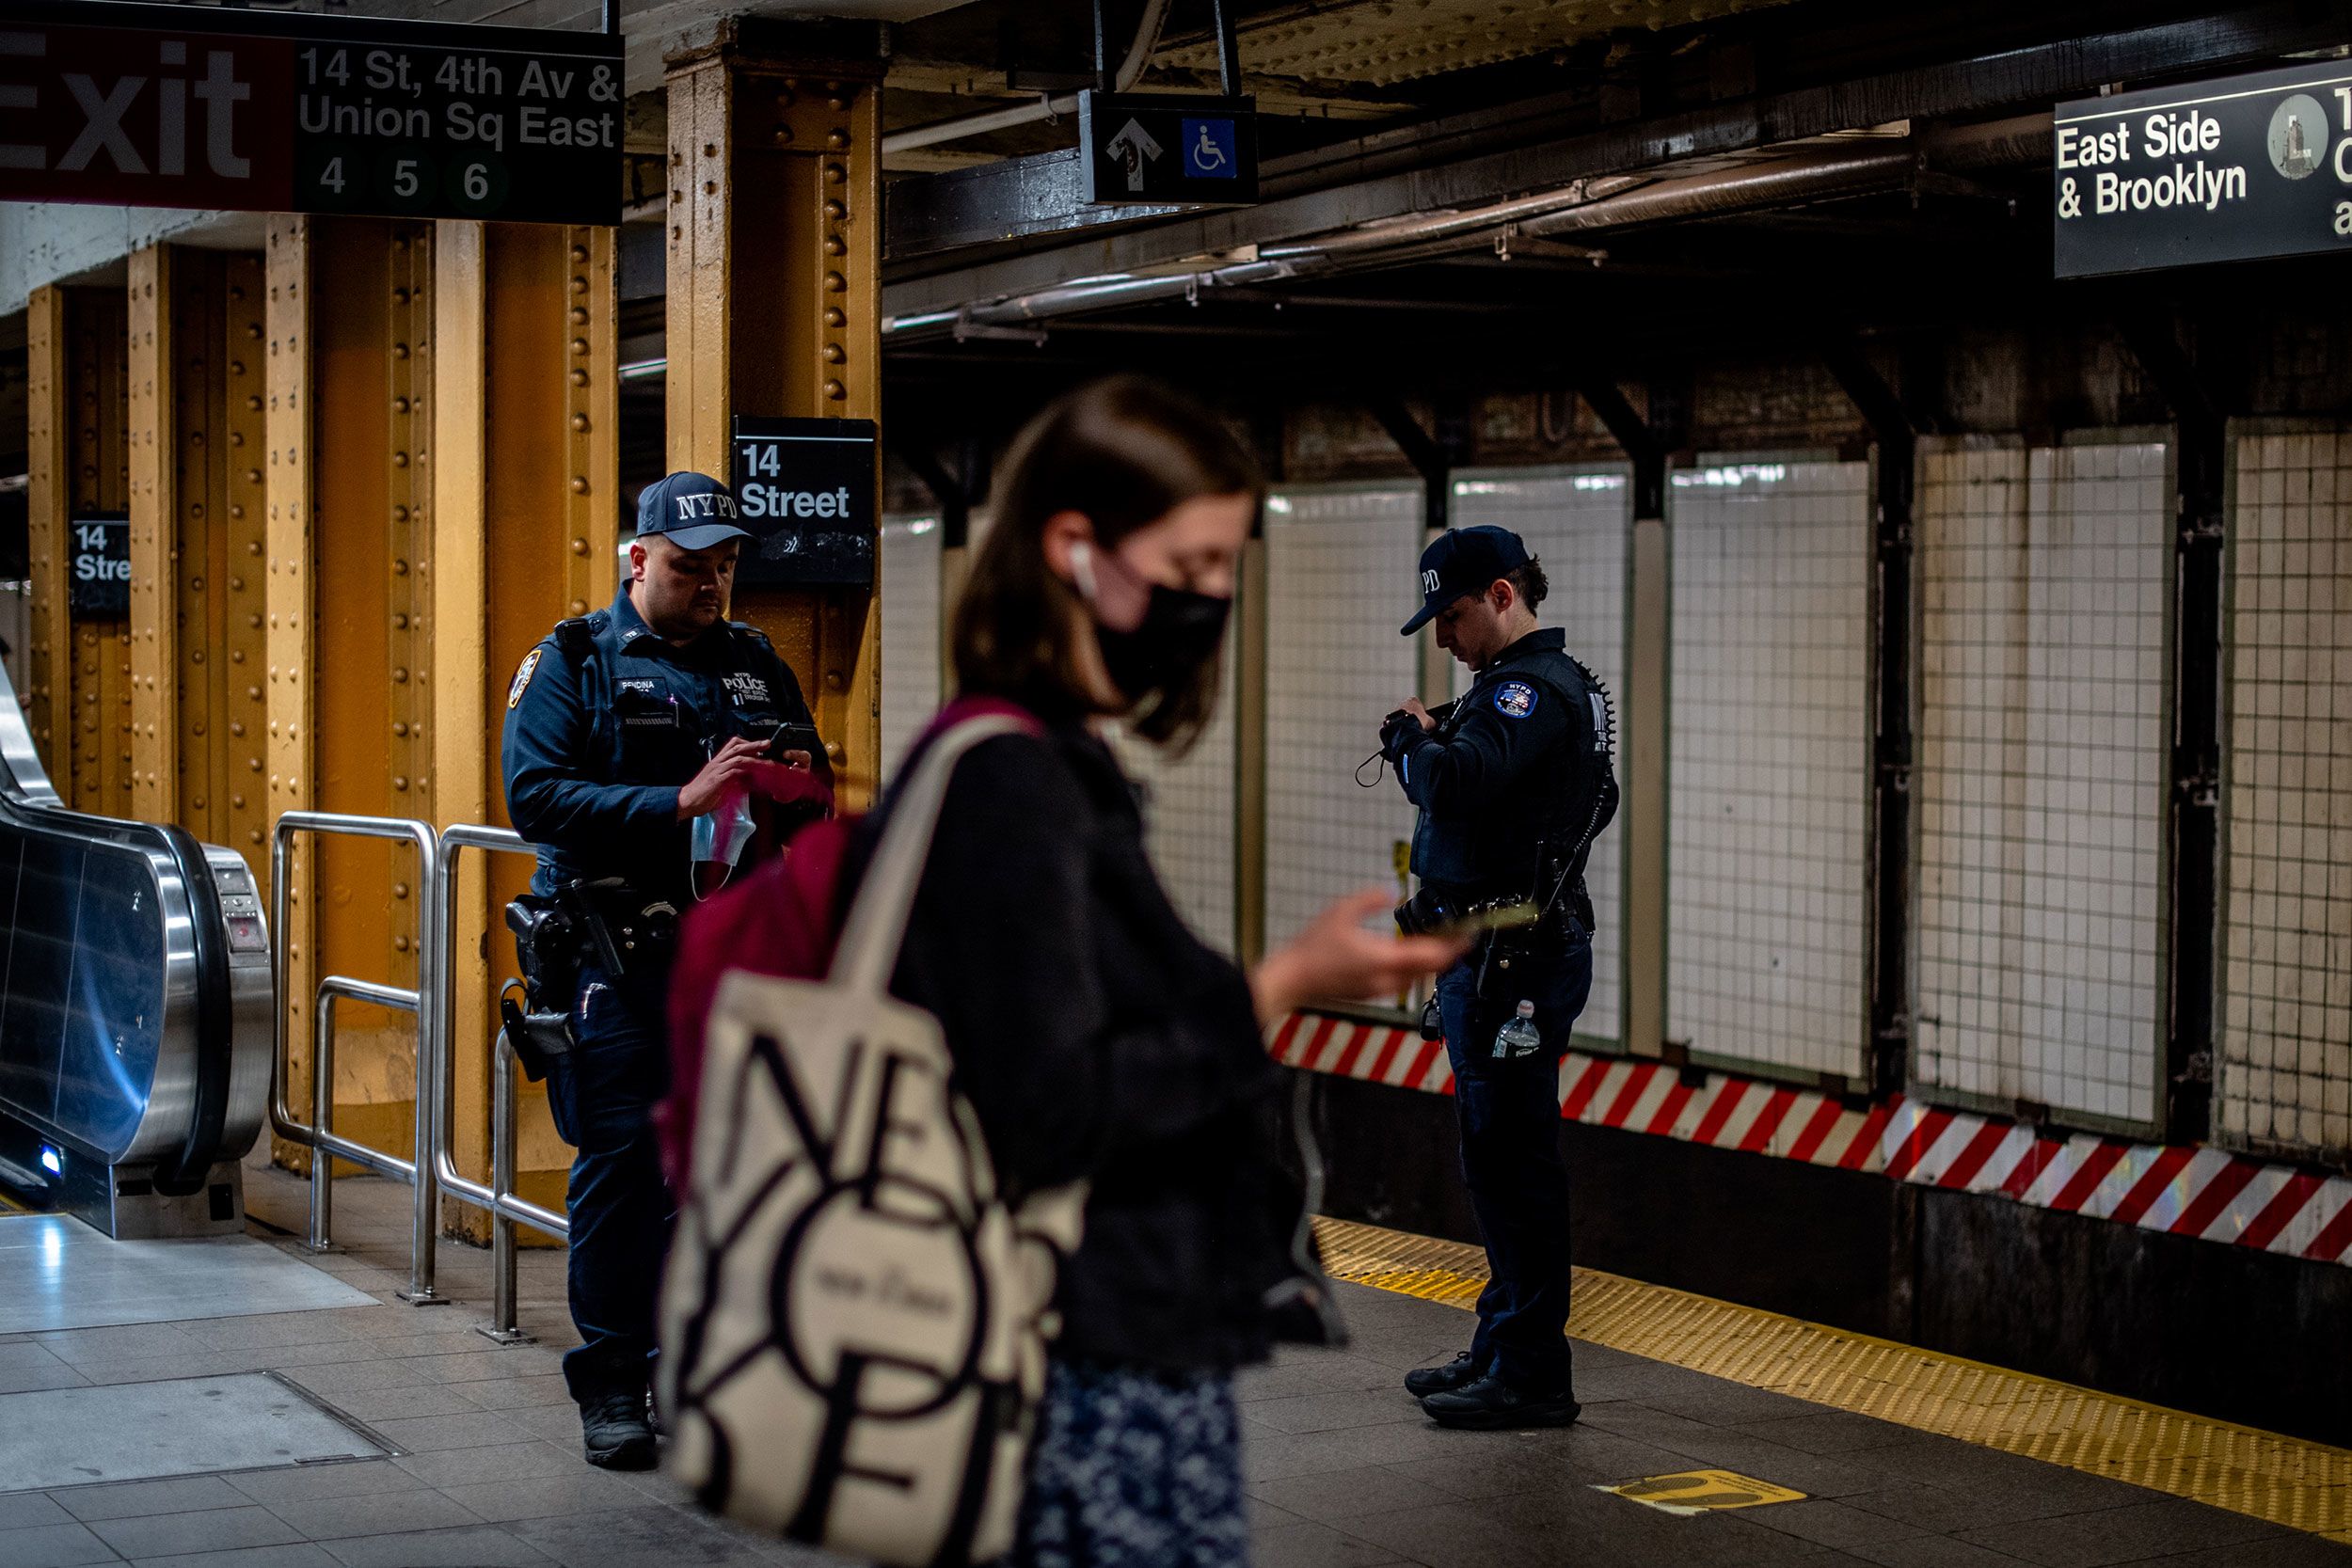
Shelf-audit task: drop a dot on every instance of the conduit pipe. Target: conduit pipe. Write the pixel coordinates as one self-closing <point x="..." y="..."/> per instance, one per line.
<point x="1044" y="107"/>
<point x="1815" y="173"/>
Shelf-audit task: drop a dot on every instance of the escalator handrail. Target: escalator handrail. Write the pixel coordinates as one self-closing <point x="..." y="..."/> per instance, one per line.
<point x="27" y="796"/>
<point x="215" y="1032"/>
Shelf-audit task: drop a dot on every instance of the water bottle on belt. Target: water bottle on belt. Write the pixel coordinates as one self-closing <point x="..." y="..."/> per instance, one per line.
<point x="1519" y="1036"/>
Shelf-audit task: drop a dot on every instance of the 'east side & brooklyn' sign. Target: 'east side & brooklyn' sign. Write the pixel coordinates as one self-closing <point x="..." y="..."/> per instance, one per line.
<point x="2217" y="171"/>
<point x="203" y="106"/>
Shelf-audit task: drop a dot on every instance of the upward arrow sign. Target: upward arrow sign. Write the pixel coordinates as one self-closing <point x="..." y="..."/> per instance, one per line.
<point x="1131" y="147"/>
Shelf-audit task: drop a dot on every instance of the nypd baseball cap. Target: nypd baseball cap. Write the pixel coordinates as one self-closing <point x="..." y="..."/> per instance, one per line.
<point x="692" y="510"/>
<point x="1461" y="561"/>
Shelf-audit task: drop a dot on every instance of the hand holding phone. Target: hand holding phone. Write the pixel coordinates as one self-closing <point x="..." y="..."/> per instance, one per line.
<point x="797" y="745"/>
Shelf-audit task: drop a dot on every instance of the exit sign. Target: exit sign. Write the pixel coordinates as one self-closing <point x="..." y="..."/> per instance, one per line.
<point x="204" y="106"/>
<point x="1156" y="148"/>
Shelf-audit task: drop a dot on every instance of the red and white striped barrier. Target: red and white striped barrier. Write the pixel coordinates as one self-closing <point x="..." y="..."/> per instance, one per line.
<point x="2204" y="1192"/>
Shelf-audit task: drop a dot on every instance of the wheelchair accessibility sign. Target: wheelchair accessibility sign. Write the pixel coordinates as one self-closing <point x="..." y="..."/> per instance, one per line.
<point x="1209" y="150"/>
<point x="1165" y="149"/>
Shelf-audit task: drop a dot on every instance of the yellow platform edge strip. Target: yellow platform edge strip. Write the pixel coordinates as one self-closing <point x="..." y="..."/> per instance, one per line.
<point x="2285" y="1480"/>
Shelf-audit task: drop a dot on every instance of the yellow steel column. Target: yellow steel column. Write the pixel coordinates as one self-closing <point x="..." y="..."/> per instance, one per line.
<point x="156" y="476"/>
<point x="775" y="307"/>
<point x="526" y="512"/>
<point x="49" y="432"/>
<point x="286" y="597"/>
<point x="79" y="423"/>
<point x="350" y="694"/>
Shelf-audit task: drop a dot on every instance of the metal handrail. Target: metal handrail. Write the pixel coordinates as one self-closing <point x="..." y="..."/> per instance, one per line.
<point x="325" y="1144"/>
<point x="431" y="958"/>
<point x="505" y="1208"/>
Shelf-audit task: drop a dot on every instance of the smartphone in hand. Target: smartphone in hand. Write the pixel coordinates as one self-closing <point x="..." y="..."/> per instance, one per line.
<point x="792" y="736"/>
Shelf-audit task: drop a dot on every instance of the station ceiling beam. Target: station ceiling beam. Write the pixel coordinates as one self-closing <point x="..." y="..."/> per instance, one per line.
<point x="2033" y="76"/>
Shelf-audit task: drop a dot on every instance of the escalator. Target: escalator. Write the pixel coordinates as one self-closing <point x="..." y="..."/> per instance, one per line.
<point x="134" y="1021"/>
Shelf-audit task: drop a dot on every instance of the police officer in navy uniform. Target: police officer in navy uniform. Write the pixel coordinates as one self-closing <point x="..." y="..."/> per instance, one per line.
<point x="623" y="729"/>
<point x="1514" y="781"/>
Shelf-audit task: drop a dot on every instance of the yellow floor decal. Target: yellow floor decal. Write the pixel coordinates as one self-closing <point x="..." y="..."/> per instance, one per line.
<point x="1689" y="1493"/>
<point x="2286" y="1480"/>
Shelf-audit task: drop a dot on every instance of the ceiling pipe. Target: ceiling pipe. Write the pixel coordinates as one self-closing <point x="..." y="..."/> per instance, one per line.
<point x="1838" y="169"/>
<point x="1044" y="107"/>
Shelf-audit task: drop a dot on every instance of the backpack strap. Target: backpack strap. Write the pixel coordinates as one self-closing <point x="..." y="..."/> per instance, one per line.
<point x="877" y="924"/>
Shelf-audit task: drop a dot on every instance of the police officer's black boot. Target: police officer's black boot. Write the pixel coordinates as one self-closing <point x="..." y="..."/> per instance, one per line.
<point x="1491" y="1405"/>
<point x="613" y="1430"/>
<point x="1463" y="1369"/>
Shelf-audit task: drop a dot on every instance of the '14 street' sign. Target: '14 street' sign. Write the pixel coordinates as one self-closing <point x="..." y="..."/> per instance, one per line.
<point x="210" y="107"/>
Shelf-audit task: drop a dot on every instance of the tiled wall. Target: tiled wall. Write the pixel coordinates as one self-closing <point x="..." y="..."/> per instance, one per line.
<point x="1188" y="811"/>
<point x="1769" y="771"/>
<point x="2284" y="1073"/>
<point x="910" y="632"/>
<point x="2042" y="579"/>
<point x="1575" y="523"/>
<point x="1340" y="570"/>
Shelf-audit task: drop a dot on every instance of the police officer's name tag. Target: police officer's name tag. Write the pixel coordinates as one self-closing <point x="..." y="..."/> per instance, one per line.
<point x="1515" y="698"/>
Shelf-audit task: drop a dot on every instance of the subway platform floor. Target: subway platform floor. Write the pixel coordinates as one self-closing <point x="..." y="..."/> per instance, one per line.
<point x="475" y="1452"/>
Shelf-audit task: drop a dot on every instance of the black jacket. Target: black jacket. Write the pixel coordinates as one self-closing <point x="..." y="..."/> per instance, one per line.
<point x="1521" y="761"/>
<point x="1098" y="1038"/>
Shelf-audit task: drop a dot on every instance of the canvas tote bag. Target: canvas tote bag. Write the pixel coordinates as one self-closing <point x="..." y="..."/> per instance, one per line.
<point x="855" y="1321"/>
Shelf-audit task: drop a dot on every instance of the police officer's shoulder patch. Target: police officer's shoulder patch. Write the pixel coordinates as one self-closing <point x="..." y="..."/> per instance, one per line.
<point x="1515" y="698"/>
<point x="522" y="676"/>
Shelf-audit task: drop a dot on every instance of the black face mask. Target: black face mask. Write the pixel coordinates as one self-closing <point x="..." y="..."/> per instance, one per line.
<point x="1179" y="632"/>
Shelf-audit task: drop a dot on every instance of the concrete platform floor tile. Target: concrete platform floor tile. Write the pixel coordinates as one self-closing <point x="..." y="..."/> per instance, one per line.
<point x="54" y="1546"/>
<point x="483" y="1360"/>
<point x="392" y="1404"/>
<point x="1830" y="1523"/>
<point x="479" y="1546"/>
<point x="1334" y="1412"/>
<point x="356" y="1477"/>
<point x="478" y="1429"/>
<point x="1948" y="1509"/>
<point x="1932" y="1551"/>
<point x="214" y="1529"/>
<point x="350" y="1377"/>
<point x="294" y="1555"/>
<point x="277" y="1328"/>
<point x="24" y="1509"/>
<point x="380" y="1513"/>
<point x="1268" y="1455"/>
<point x="1469" y="1478"/>
<point x="1726" y="1405"/>
<point x="2167" y="1527"/>
<point x="1658" y="1428"/>
<point x="77" y="1346"/>
<point x="1820" y="1431"/>
<point x="128" y="1499"/>
<point x="2274" y="1551"/>
<point x="1335" y="1373"/>
<point x="638" y="1537"/>
<point x="582" y="1490"/>
<point x="515" y="1393"/>
<point x="464" y="1466"/>
<point x="1307" y="1545"/>
<point x="1336" y="1496"/>
<point x="1816" y="1475"/>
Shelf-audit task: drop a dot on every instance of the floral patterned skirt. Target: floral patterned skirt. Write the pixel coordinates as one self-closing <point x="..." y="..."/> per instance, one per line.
<point x="1134" y="1468"/>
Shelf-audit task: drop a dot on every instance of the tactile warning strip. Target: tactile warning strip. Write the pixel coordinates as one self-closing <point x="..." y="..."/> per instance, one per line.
<point x="2285" y="1480"/>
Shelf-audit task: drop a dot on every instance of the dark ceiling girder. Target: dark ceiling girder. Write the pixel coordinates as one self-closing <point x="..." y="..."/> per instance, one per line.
<point x="2034" y="76"/>
<point x="1432" y="457"/>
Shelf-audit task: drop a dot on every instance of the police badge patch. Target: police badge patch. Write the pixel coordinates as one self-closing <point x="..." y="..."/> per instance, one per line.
<point x="522" y="676"/>
<point x="1515" y="698"/>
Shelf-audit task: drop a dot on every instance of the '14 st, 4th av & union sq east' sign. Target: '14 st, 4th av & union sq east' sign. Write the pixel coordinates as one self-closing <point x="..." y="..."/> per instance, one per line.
<point x="211" y="107"/>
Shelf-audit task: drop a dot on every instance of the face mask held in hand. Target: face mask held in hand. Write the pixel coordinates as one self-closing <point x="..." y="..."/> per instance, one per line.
<point x="1179" y="632"/>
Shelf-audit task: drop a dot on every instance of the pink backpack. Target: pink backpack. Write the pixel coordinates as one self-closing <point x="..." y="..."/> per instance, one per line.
<point x="783" y="919"/>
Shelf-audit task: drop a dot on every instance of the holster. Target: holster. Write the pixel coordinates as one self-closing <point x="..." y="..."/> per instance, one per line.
<point x="623" y="929"/>
<point x="548" y="945"/>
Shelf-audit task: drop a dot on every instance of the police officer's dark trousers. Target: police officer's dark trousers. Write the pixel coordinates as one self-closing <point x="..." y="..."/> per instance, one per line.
<point x="1509" y="1115"/>
<point x="603" y="1097"/>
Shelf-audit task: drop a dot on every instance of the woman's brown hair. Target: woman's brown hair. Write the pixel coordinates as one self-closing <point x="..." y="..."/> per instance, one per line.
<point x="1124" y="453"/>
